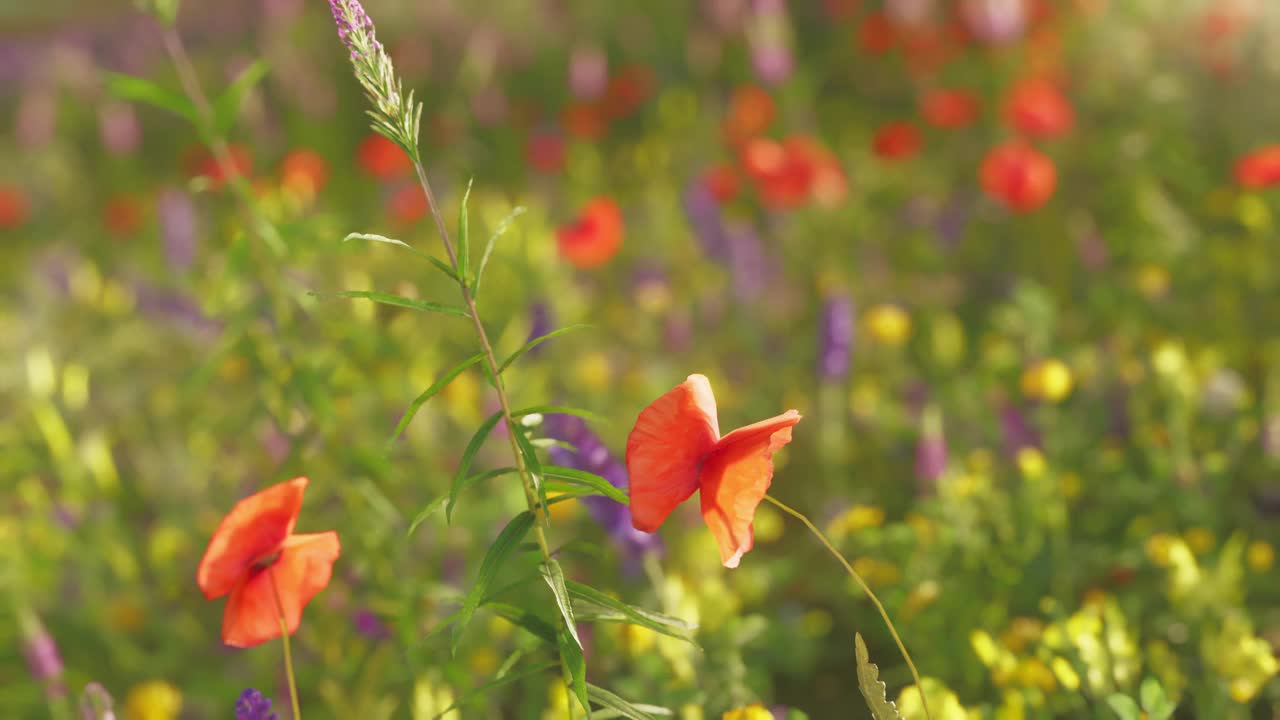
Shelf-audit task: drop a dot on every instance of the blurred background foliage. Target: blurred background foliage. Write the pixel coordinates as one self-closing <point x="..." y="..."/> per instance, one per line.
<point x="1041" y="392"/>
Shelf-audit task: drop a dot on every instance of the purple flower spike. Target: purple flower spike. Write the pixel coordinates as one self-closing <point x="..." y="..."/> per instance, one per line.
<point x="352" y="20"/>
<point x="835" y="338"/>
<point x="253" y="705"/>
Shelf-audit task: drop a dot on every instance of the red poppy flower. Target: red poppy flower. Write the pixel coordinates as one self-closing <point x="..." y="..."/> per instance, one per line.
<point x="304" y="172"/>
<point x="545" y="152"/>
<point x="408" y="204"/>
<point x="1260" y="168"/>
<point x="268" y="571"/>
<point x="1038" y="108"/>
<point x="876" y="34"/>
<point x="382" y="158"/>
<point x="676" y="448"/>
<point x="896" y="141"/>
<point x="1018" y="176"/>
<point x="584" y="120"/>
<point x="13" y="207"/>
<point x="203" y="163"/>
<point x="722" y="182"/>
<point x="949" y="108"/>
<point x="122" y="215"/>
<point x="751" y="112"/>
<point x="628" y="90"/>
<point x="595" y="237"/>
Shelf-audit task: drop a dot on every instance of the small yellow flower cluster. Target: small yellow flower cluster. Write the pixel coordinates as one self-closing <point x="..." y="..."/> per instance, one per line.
<point x="1048" y="380"/>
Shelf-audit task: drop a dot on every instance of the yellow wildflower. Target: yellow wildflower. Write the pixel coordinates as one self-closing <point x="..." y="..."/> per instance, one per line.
<point x="888" y="324"/>
<point x="750" y="712"/>
<point x="153" y="700"/>
<point x="1260" y="556"/>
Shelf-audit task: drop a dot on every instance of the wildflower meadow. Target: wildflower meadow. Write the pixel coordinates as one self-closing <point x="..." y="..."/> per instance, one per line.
<point x="690" y="359"/>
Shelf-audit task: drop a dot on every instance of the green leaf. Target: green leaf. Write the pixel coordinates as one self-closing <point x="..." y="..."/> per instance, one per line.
<point x="522" y="618"/>
<point x="506" y="541"/>
<point x="498" y="681"/>
<point x="389" y="299"/>
<point x="438" y="503"/>
<point x="488" y="248"/>
<point x="597" y="484"/>
<point x="572" y="657"/>
<point x="1124" y="707"/>
<point x="443" y="267"/>
<point x="536" y="342"/>
<point x="533" y="466"/>
<point x="554" y="576"/>
<point x="558" y="410"/>
<point x="872" y="687"/>
<point x="618" y="611"/>
<point x="469" y="454"/>
<point x="141" y="90"/>
<point x="439" y="385"/>
<point x="464" y="236"/>
<point x="1154" y="700"/>
<point x="622" y="708"/>
<point x="227" y="108"/>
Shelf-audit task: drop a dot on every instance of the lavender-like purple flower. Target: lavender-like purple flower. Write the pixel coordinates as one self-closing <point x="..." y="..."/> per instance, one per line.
<point x="770" y="37"/>
<point x="96" y="703"/>
<point x="178" y="231"/>
<point x="353" y="25"/>
<point x="594" y="457"/>
<point x="539" y="324"/>
<point x="118" y="127"/>
<point x="368" y="624"/>
<point x="747" y="262"/>
<point x="395" y="115"/>
<point x="708" y="225"/>
<point x="588" y="72"/>
<point x="835" y="338"/>
<point x="253" y="705"/>
<point x="1017" y="430"/>
<point x="931" y="452"/>
<point x="995" y="22"/>
<point x="41" y="653"/>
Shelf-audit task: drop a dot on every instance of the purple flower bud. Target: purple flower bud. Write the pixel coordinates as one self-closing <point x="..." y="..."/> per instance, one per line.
<point x="931" y="452"/>
<point x="368" y="624"/>
<point x="358" y="23"/>
<point x="253" y="705"/>
<point x="178" y="228"/>
<point x="41" y="653"/>
<point x="96" y="703"/>
<point x="771" y="55"/>
<point x="118" y="127"/>
<point x="539" y="324"/>
<point x="835" y="337"/>
<point x="1017" y="430"/>
<point x="588" y="72"/>
<point x="747" y="262"/>
<point x="703" y="211"/>
<point x="995" y="22"/>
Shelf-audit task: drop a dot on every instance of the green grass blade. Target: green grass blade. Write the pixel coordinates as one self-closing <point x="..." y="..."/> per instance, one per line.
<point x="665" y="624"/>
<point x="536" y="342"/>
<point x="559" y="410"/>
<point x="469" y="454"/>
<point x="524" y="619"/>
<point x="499" y="680"/>
<point x="493" y="240"/>
<point x="436" y="387"/>
<point x="595" y="483"/>
<point x="404" y="302"/>
<point x="554" y="576"/>
<point x="227" y="107"/>
<point x="572" y="657"/>
<point x="622" y="708"/>
<point x="497" y="554"/>
<point x="439" y="502"/>
<point x="464" y="237"/>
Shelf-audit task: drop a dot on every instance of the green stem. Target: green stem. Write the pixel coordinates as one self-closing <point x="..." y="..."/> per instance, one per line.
<point x="284" y="637"/>
<point x="865" y="588"/>
<point x="491" y="360"/>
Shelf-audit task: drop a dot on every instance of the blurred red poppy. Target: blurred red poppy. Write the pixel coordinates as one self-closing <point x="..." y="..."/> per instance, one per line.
<point x="896" y="141"/>
<point x="269" y="572"/>
<point x="584" y="120"/>
<point x="544" y="151"/>
<point x="304" y="172"/>
<point x="876" y="34"/>
<point x="751" y="112"/>
<point x="202" y="163"/>
<point x="13" y="207"/>
<point x="122" y="215"/>
<point x="595" y="237"/>
<point x="1259" y="168"/>
<point x="382" y="158"/>
<point x="1018" y="176"/>
<point x="944" y="108"/>
<point x="628" y="90"/>
<point x="722" y="181"/>
<point x="1038" y="108"/>
<point x="676" y="449"/>
<point x="408" y="204"/>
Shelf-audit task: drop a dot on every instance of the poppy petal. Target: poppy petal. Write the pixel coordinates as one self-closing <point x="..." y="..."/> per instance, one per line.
<point x="670" y="438"/>
<point x="303" y="569"/>
<point x="254" y="528"/>
<point x="734" y="480"/>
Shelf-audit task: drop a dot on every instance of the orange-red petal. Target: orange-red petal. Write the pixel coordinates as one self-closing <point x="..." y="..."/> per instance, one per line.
<point x="303" y="569"/>
<point x="734" y="479"/>
<point x="664" y="449"/>
<point x="255" y="528"/>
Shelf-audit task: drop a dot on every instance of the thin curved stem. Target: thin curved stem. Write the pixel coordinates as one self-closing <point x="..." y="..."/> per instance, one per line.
<point x="915" y="675"/>
<point x="284" y="637"/>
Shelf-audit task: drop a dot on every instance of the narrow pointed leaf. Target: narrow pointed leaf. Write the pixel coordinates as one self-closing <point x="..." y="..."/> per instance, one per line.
<point x="498" y="681"/>
<point x="872" y="687"/>
<point x="498" y="552"/>
<point x="142" y="90"/>
<point x="609" y="701"/>
<point x="534" y="467"/>
<point x="469" y="454"/>
<point x="665" y="624"/>
<point x="571" y="655"/>
<point x="488" y="248"/>
<point x="522" y="618"/>
<point x="554" y="576"/>
<point x="558" y="410"/>
<point x="597" y="484"/>
<point x="227" y="108"/>
<point x="536" y="342"/>
<point x="439" y="502"/>
<point x="398" y="301"/>
<point x="464" y="237"/>
<point x="443" y="267"/>
<point x="436" y="387"/>
<point x="392" y="241"/>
